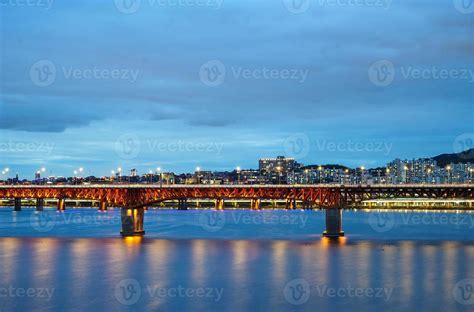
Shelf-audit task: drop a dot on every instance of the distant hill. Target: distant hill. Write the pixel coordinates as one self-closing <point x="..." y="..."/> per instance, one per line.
<point x="463" y="157"/>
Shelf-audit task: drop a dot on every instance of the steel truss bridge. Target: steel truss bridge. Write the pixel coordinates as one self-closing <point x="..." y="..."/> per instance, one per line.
<point x="134" y="198"/>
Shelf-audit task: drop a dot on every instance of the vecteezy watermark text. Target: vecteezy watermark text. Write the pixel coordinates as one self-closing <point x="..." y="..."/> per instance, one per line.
<point x="44" y="73"/>
<point x="21" y="292"/>
<point x="213" y="73"/>
<point x="18" y="146"/>
<point x="383" y="73"/>
<point x="129" y="292"/>
<point x="132" y="6"/>
<point x="46" y="4"/>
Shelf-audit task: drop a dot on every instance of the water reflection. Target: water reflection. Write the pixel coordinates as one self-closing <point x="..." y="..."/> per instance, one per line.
<point x="251" y="273"/>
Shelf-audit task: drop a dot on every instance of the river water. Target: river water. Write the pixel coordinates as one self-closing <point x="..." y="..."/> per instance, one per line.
<point x="236" y="260"/>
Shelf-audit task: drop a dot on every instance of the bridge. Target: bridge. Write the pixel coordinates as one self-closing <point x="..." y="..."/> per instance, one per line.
<point x="134" y="198"/>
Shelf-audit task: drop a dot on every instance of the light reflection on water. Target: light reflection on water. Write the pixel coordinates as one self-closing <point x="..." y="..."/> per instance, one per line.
<point x="252" y="271"/>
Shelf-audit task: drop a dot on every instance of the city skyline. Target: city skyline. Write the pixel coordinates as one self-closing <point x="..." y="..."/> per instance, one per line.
<point x="70" y="98"/>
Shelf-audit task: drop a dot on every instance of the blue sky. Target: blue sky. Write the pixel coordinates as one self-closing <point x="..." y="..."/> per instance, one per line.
<point x="180" y="84"/>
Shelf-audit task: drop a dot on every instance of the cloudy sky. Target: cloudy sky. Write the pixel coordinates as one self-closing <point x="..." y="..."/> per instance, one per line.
<point x="186" y="83"/>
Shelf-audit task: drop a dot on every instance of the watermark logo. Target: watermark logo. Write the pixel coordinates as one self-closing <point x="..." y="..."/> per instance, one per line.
<point x="297" y="6"/>
<point x="155" y="291"/>
<point x="463" y="291"/>
<point x="297" y="145"/>
<point x="350" y="291"/>
<point x="351" y="146"/>
<point x="127" y="146"/>
<point x="297" y="291"/>
<point x="382" y="73"/>
<point x="43" y="73"/>
<point x="19" y="146"/>
<point x="127" y="6"/>
<point x="128" y="291"/>
<point x="212" y="221"/>
<point x="464" y="6"/>
<point x="463" y="143"/>
<point x="20" y="292"/>
<point x="382" y="221"/>
<point x="43" y="221"/>
<point x="46" y="4"/>
<point x="212" y="73"/>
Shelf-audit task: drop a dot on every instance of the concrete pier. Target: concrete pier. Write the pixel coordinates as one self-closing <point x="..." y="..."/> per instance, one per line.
<point x="61" y="204"/>
<point x="255" y="204"/>
<point x="39" y="204"/>
<point x="132" y="222"/>
<point x="219" y="204"/>
<point x="290" y="204"/>
<point x="182" y="204"/>
<point x="103" y="205"/>
<point x="333" y="223"/>
<point x="17" y="204"/>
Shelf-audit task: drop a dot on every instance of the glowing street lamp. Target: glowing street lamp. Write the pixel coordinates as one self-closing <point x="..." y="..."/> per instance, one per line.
<point x="238" y="174"/>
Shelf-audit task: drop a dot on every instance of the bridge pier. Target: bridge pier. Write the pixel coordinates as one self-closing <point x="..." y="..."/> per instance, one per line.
<point x="290" y="204"/>
<point x="61" y="204"/>
<point x="307" y="205"/>
<point x="132" y="222"/>
<point x="182" y="204"/>
<point x="333" y="223"/>
<point x="17" y="204"/>
<point x="219" y="204"/>
<point x="255" y="204"/>
<point x="39" y="204"/>
<point x="103" y="205"/>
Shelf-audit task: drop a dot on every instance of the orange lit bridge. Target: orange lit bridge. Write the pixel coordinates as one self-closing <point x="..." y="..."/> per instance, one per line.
<point x="133" y="199"/>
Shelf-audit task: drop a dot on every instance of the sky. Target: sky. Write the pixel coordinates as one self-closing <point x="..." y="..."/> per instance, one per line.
<point x="178" y="84"/>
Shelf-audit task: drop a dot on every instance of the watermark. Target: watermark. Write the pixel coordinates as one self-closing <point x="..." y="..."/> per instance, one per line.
<point x="213" y="73"/>
<point x="351" y="146"/>
<point x="382" y="221"/>
<point x="185" y="146"/>
<point x="385" y="221"/>
<point x="302" y="6"/>
<point x="350" y="291"/>
<point x="463" y="291"/>
<point x="212" y="221"/>
<point x="30" y="292"/>
<point x="129" y="291"/>
<point x="297" y="145"/>
<point x="44" y="73"/>
<point x="45" y="221"/>
<point x="382" y="73"/>
<point x="464" y="6"/>
<point x="132" y="6"/>
<point x="268" y="218"/>
<point x="463" y="143"/>
<point x="127" y="146"/>
<point x="297" y="291"/>
<point x="19" y="146"/>
<point x="46" y="4"/>
<point x="383" y="4"/>
<point x="297" y="6"/>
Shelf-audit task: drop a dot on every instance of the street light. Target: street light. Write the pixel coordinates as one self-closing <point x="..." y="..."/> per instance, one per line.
<point x="238" y="174"/>
<point x="278" y="168"/>
<point x="448" y="168"/>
